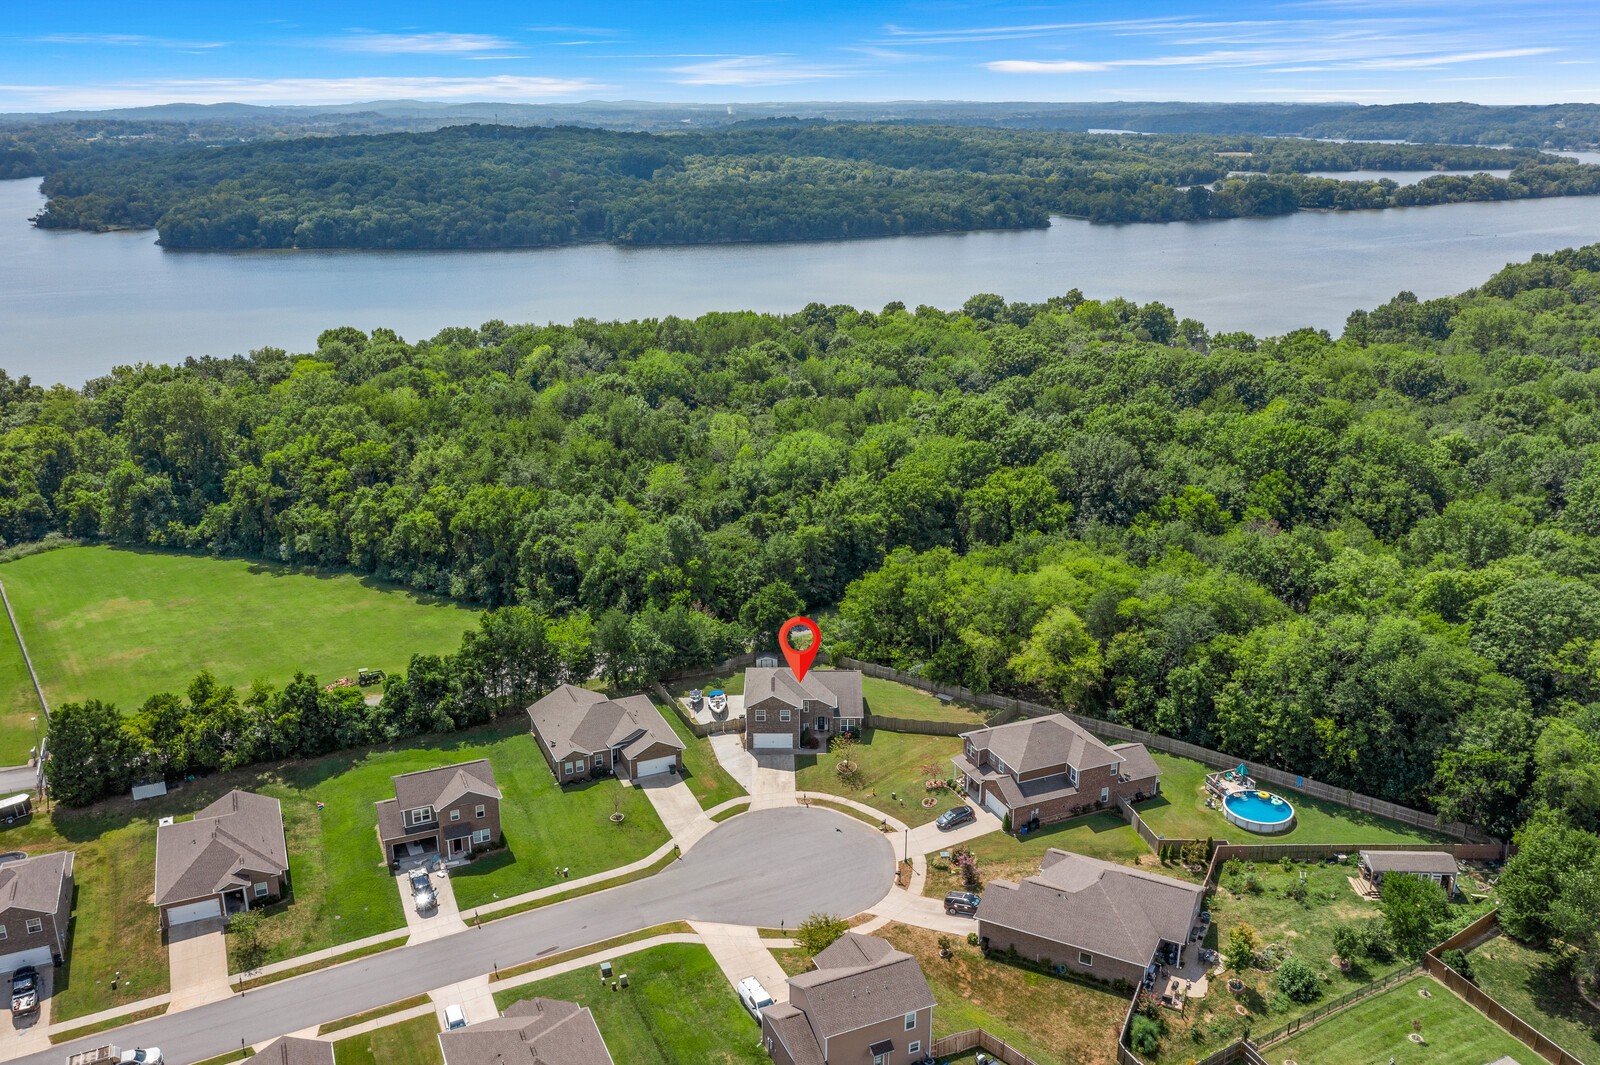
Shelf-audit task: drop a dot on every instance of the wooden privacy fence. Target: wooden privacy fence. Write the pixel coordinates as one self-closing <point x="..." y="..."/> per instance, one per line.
<point x="924" y="728"/>
<point x="1485" y="928"/>
<point x="978" y="1039"/>
<point x="1216" y="759"/>
<point x="1314" y="852"/>
<point x="699" y="730"/>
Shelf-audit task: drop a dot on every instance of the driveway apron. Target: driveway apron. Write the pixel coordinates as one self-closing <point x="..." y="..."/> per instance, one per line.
<point x="678" y="808"/>
<point x="740" y="952"/>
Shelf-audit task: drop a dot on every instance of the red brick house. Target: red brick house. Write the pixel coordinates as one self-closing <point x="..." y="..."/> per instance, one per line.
<point x="232" y="857"/>
<point x="777" y="706"/>
<point x="1047" y="769"/>
<point x="864" y="1003"/>
<point x="35" y="910"/>
<point x="1096" y="918"/>
<point x="449" y="811"/>
<point x="582" y="734"/>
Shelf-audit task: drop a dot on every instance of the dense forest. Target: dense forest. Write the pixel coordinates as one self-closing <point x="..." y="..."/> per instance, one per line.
<point x="498" y="186"/>
<point x="1374" y="559"/>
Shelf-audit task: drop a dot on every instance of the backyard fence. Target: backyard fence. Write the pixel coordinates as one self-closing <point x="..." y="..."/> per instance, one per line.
<point x="700" y="731"/>
<point x="727" y="665"/>
<point x="1486" y="928"/>
<point x="922" y="728"/>
<point x="1216" y="759"/>
<point x="978" y="1039"/>
<point x="1278" y="1035"/>
<point x="1315" y="852"/>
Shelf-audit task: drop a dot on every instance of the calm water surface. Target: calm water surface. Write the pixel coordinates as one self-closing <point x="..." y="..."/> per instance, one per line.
<point x="73" y="305"/>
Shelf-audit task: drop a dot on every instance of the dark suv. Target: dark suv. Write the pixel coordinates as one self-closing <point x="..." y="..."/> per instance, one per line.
<point x="962" y="902"/>
<point x="956" y="815"/>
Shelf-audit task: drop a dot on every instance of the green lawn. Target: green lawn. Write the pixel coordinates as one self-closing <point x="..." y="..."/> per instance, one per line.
<point x="123" y="625"/>
<point x="1053" y="1021"/>
<point x="894" y="766"/>
<point x="1537" y="986"/>
<point x="19" y="704"/>
<point x="705" y="776"/>
<point x="1377" y="1031"/>
<point x="889" y="699"/>
<point x="678" y="1009"/>
<point x="1180" y="813"/>
<point x="1005" y="857"/>
<point x="413" y="1042"/>
<point x="1287" y="926"/>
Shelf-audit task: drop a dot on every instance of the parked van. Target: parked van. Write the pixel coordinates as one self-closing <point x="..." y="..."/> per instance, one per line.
<point x="754" y="996"/>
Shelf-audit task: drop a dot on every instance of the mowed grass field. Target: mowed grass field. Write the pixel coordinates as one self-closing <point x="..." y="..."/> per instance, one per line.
<point x="18" y="702"/>
<point x="1380" y="1029"/>
<point x="120" y="626"/>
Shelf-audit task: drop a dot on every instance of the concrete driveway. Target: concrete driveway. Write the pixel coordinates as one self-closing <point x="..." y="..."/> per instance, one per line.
<point x="774" y="781"/>
<point x="731" y="755"/>
<point x="443" y="920"/>
<point x="930" y="837"/>
<point x="677" y="807"/>
<point x="30" y="1034"/>
<point x="763" y="868"/>
<point x="740" y="952"/>
<point x="197" y="955"/>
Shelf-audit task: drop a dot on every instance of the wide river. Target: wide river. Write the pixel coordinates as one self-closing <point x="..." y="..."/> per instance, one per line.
<point x="73" y="305"/>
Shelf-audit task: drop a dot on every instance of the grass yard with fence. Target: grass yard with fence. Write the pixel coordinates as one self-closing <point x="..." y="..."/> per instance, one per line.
<point x="1380" y="1028"/>
<point x="1538" y="986"/>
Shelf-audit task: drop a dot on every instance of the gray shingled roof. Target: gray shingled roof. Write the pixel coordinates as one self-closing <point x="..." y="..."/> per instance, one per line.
<point x="794" y="1032"/>
<point x="33" y="885"/>
<point x="292" y="1050"/>
<point x="440" y="787"/>
<point x="1428" y="862"/>
<point x="850" y="950"/>
<point x="838" y="688"/>
<point x="1137" y="764"/>
<point x="572" y="720"/>
<point x="1039" y="743"/>
<point x="239" y="834"/>
<point x="1087" y="904"/>
<point x="844" y="998"/>
<point x="536" y="1031"/>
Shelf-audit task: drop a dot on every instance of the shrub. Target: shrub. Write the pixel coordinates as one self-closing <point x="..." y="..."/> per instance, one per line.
<point x="1286" y="863"/>
<point x="972" y="939"/>
<point x="1145" y="1035"/>
<point x="1457" y="959"/>
<point x="1378" y="944"/>
<point x="1005" y="823"/>
<point x="1243" y="942"/>
<point x="819" y="931"/>
<point x="1346" y="942"/>
<point x="1297" y="980"/>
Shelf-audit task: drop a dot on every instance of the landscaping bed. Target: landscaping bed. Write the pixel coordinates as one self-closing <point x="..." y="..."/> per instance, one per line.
<point x="1379" y="1029"/>
<point x="1537" y="985"/>
<point x="677" y="1010"/>
<point x="893" y="770"/>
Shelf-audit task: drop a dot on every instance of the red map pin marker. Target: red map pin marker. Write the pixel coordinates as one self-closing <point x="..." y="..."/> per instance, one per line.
<point x="800" y="661"/>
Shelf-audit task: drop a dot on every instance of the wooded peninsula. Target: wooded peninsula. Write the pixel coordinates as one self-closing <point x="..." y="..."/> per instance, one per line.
<point x="773" y="180"/>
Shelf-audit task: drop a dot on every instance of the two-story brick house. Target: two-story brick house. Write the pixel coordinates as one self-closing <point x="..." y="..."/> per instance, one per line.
<point x="1049" y="769"/>
<point x="777" y="706"/>
<point x="35" y="910"/>
<point x="448" y="811"/>
<point x="864" y="1003"/>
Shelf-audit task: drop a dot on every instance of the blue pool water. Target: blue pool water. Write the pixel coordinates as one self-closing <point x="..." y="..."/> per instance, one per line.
<point x="1251" y="806"/>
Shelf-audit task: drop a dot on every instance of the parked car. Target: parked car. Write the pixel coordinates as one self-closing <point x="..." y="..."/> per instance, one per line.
<point x="25" y="991"/>
<point x="754" y="996"/>
<point x="963" y="902"/>
<point x="956" y="815"/>
<point x="454" y="1017"/>
<point x="422" y="894"/>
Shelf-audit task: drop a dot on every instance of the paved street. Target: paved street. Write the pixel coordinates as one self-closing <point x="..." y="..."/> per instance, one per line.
<point x="18" y="778"/>
<point x="762" y="868"/>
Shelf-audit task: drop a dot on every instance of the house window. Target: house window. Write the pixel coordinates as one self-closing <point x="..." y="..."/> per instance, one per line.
<point x="914" y="1048"/>
<point x="769" y="1044"/>
<point x="1105" y="794"/>
<point x="479" y="811"/>
<point x="761" y="715"/>
<point x="599" y="761"/>
<point x="566" y="767"/>
<point x="481" y="836"/>
<point x="880" y="1059"/>
<point x="35" y="926"/>
<point x="783" y="715"/>
<point x="911" y="1020"/>
<point x="3" y="932"/>
<point x="1085" y="958"/>
<point x="261" y="890"/>
<point x="1072" y="776"/>
<point x="422" y="816"/>
<point x="455" y="815"/>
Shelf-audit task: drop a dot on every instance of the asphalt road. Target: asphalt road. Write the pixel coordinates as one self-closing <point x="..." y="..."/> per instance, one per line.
<point x="14" y="779"/>
<point x="760" y="868"/>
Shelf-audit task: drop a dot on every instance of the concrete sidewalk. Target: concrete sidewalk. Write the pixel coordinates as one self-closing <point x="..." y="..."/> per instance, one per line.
<point x="740" y="952"/>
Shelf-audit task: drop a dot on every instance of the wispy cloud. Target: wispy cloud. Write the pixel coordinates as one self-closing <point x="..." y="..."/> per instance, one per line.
<point x="418" y="43"/>
<point x="123" y="40"/>
<point x="750" y="70"/>
<point x="505" y="87"/>
<point x="1036" y="66"/>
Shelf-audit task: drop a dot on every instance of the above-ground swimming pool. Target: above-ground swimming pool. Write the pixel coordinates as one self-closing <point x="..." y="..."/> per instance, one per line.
<point x="1258" y="811"/>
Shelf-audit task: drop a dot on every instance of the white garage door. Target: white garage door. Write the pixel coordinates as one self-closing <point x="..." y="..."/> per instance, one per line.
<point x="774" y="741"/>
<point x="995" y="804"/>
<point x="38" y="957"/>
<point x="197" y="911"/>
<point x="651" y="766"/>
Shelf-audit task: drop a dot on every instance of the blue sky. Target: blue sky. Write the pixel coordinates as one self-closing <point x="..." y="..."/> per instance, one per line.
<point x="72" y="53"/>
